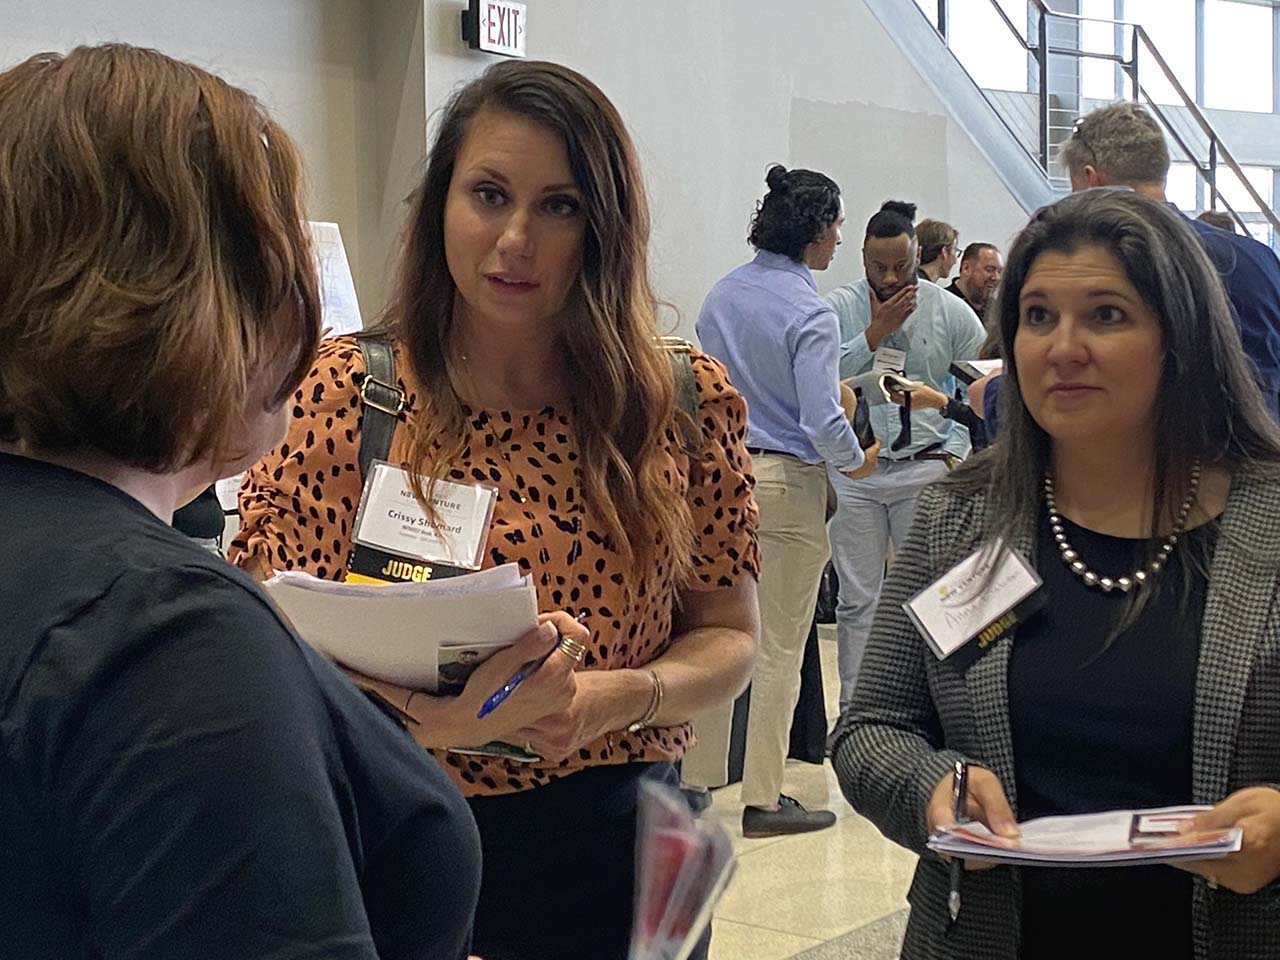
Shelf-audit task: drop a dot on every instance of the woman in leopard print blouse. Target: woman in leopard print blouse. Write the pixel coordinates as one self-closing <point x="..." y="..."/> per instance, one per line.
<point x="524" y="333"/>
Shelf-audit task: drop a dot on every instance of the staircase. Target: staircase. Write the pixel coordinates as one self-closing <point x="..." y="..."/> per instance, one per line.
<point x="1020" y="129"/>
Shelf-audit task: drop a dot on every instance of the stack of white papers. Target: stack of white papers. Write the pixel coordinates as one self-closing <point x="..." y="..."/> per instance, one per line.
<point x="394" y="632"/>
<point x="1113" y="839"/>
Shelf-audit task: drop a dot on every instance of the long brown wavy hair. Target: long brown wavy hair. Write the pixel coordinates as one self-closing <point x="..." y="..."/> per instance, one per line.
<point x="624" y="385"/>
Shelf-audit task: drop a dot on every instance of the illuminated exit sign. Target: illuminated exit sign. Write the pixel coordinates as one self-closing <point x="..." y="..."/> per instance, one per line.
<point x="495" y="26"/>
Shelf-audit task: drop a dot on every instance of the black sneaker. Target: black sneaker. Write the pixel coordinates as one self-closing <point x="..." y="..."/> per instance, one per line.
<point x="790" y="817"/>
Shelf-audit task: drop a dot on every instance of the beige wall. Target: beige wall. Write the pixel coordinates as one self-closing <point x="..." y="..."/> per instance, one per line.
<point x="344" y="77"/>
<point x="715" y="90"/>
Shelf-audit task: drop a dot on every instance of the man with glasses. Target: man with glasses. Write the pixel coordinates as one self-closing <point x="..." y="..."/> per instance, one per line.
<point x="939" y="249"/>
<point x="1122" y="145"/>
<point x="891" y="322"/>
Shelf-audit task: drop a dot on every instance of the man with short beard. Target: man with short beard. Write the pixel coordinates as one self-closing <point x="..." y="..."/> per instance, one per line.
<point x="889" y="321"/>
<point x="980" y="269"/>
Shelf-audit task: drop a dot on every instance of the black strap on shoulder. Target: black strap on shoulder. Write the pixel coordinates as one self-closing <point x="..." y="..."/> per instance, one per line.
<point x="383" y="401"/>
<point x="681" y="354"/>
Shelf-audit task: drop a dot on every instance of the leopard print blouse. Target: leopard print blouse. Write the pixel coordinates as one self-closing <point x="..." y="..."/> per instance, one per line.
<point x="298" y="506"/>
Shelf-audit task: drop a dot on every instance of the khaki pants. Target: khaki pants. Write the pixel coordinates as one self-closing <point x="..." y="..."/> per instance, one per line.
<point x="791" y="497"/>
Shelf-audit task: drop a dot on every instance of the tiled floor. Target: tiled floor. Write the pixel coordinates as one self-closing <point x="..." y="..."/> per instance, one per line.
<point x="793" y="896"/>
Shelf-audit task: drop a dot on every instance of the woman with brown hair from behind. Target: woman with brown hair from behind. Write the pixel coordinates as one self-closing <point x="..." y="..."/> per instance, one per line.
<point x="180" y="775"/>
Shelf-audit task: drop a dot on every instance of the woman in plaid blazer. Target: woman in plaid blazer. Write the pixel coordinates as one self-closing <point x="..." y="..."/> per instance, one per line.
<point x="1139" y="473"/>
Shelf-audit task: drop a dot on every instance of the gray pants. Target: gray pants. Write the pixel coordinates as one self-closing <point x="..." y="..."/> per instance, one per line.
<point x="872" y="512"/>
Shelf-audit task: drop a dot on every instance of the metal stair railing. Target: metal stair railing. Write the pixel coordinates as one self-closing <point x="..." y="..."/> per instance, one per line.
<point x="1206" y="161"/>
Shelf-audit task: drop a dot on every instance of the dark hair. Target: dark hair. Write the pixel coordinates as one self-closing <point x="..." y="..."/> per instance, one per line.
<point x="625" y="390"/>
<point x="156" y="280"/>
<point x="1209" y="406"/>
<point x="974" y="250"/>
<point x="799" y="206"/>
<point x="895" y="218"/>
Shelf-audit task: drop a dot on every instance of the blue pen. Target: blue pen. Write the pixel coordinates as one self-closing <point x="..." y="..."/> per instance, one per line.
<point x="527" y="669"/>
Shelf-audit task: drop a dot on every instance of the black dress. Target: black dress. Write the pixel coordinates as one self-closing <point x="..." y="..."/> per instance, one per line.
<point x="1101" y="729"/>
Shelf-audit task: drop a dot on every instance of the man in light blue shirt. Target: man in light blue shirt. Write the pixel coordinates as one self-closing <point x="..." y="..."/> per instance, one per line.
<point x="888" y="321"/>
<point x="781" y="343"/>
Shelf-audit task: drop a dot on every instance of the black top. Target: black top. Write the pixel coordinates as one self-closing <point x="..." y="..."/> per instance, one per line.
<point x="181" y="776"/>
<point x="202" y="518"/>
<point x="1098" y="730"/>
<point x="954" y="288"/>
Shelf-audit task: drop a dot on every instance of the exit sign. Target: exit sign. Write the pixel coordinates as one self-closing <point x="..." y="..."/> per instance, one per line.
<point x="495" y="26"/>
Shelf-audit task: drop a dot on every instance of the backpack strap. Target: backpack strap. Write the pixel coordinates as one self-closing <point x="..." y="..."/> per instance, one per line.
<point x="383" y="401"/>
<point x="680" y="352"/>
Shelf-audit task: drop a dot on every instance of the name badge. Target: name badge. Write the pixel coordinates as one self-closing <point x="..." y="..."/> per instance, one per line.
<point x="889" y="360"/>
<point x="969" y="602"/>
<point x="391" y="520"/>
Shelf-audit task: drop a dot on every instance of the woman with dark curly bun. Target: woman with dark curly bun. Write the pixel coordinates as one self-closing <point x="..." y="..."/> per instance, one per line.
<point x="781" y="342"/>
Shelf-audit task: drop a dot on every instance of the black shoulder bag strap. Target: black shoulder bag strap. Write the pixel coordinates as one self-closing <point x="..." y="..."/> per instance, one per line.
<point x="681" y="355"/>
<point x="383" y="401"/>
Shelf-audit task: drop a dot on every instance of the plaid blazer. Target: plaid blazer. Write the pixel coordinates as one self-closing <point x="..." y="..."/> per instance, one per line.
<point x="913" y="716"/>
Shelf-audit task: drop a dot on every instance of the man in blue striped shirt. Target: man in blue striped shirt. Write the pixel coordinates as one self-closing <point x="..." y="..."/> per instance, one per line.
<point x="779" y="339"/>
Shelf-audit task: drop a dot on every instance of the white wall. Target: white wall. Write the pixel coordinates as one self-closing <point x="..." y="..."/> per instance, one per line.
<point x="344" y="77"/>
<point x="716" y="90"/>
<point x="713" y="90"/>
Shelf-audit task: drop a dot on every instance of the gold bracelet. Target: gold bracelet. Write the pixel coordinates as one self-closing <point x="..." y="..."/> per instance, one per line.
<point x="655" y="705"/>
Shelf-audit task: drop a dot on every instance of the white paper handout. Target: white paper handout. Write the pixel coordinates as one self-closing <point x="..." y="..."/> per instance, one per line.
<point x="341" y="309"/>
<point x="394" y="632"/>
<point x="1112" y="839"/>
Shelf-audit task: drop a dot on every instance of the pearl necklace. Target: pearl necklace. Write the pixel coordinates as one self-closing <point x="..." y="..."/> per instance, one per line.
<point x="1071" y="557"/>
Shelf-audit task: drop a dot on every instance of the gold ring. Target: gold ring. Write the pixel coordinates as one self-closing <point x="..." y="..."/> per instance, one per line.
<point x="572" y="649"/>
